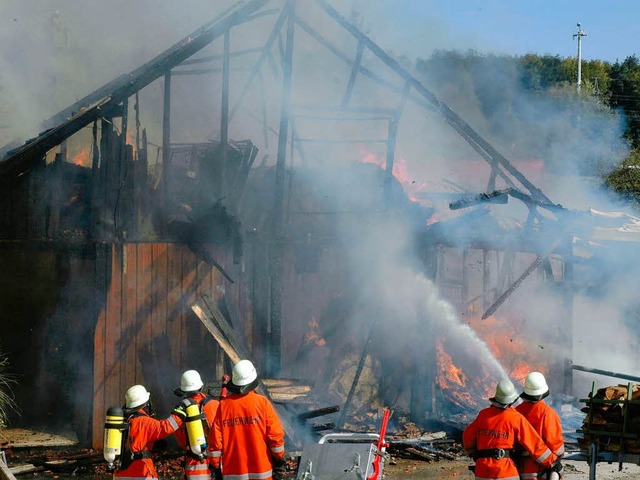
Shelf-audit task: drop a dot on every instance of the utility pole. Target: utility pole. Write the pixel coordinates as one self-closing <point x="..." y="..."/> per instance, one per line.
<point x="581" y="33"/>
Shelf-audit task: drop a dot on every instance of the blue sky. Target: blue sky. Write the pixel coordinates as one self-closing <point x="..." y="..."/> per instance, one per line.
<point x="412" y="27"/>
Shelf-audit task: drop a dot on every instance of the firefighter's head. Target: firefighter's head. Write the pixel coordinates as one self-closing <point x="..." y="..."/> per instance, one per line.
<point x="535" y="387"/>
<point x="244" y="377"/>
<point x="137" y="398"/>
<point x="190" y="384"/>
<point x="505" y="394"/>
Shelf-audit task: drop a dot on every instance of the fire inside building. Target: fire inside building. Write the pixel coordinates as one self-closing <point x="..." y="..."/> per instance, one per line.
<point x="294" y="226"/>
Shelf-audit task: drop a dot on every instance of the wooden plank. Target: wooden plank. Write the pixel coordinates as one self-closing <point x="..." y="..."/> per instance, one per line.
<point x="189" y="278"/>
<point x="160" y="287"/>
<point x="283" y="382"/>
<point x="129" y="322"/>
<point x="29" y="438"/>
<point x="99" y="348"/>
<point x="25" y="468"/>
<point x="223" y="326"/>
<point x="175" y="314"/>
<point x="143" y="314"/>
<point x="5" y="473"/>
<point x="113" y="363"/>
<point x="233" y="353"/>
<point x="217" y="334"/>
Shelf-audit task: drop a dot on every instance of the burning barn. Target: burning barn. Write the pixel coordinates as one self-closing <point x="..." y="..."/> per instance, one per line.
<point x="296" y="217"/>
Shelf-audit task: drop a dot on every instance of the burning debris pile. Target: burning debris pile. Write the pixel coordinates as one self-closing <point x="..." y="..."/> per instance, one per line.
<point x="612" y="422"/>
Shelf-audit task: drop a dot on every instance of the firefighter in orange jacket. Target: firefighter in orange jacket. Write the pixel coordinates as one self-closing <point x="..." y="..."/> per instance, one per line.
<point x="191" y="385"/>
<point x="496" y="432"/>
<point x="143" y="431"/>
<point x="543" y="418"/>
<point x="247" y="438"/>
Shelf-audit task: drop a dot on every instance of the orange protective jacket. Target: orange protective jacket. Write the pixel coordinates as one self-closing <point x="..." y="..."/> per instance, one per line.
<point x="547" y="423"/>
<point x="143" y="432"/>
<point x="195" y="469"/>
<point x="505" y="428"/>
<point x="246" y="437"/>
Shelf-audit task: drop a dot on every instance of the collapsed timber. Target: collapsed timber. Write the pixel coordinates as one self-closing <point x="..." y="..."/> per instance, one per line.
<point x="406" y="443"/>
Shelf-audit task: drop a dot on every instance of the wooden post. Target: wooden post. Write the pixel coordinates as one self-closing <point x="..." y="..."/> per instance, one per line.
<point x="277" y="247"/>
<point x="224" y="121"/>
<point x="566" y="335"/>
<point x="391" y="143"/>
<point x="166" y="147"/>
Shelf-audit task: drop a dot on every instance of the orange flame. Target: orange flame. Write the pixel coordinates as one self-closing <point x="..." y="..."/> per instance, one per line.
<point x="517" y="356"/>
<point x="82" y="159"/>
<point x="313" y="334"/>
<point x="400" y="171"/>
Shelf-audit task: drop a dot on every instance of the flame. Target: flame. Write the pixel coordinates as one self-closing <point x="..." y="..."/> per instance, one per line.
<point x="132" y="141"/>
<point x="313" y="334"/>
<point x="82" y="159"/>
<point x="469" y="386"/>
<point x="453" y="381"/>
<point x="400" y="171"/>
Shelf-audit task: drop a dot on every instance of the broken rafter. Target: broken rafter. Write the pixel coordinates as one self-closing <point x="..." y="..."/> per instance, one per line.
<point x="606" y="373"/>
<point x="491" y="310"/>
<point x="441" y="107"/>
<point x="99" y="103"/>
<point x="498" y="196"/>
<point x="215" y="322"/>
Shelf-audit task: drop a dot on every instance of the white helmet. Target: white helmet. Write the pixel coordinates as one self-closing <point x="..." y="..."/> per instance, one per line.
<point x="243" y="373"/>
<point x="535" y="384"/>
<point x="136" y="396"/>
<point x="190" y="381"/>
<point x="505" y="392"/>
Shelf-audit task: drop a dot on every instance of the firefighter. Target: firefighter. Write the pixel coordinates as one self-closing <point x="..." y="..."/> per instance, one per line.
<point x="497" y="431"/>
<point x="247" y="438"/>
<point x="196" y="465"/>
<point x="142" y="431"/>
<point x="544" y="419"/>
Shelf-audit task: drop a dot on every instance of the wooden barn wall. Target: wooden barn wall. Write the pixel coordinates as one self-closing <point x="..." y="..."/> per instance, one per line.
<point x="146" y="333"/>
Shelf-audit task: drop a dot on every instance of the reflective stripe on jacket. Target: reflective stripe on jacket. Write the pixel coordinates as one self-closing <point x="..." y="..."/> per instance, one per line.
<point x="143" y="432"/>
<point x="505" y="428"/>
<point x="546" y="422"/>
<point x="245" y="437"/>
<point x="194" y="468"/>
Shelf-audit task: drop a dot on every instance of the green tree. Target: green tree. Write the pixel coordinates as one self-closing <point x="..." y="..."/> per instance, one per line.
<point x="625" y="95"/>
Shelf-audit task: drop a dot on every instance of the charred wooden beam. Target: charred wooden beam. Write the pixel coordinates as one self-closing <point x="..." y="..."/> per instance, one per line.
<point x="318" y="412"/>
<point x="258" y="65"/>
<point x="606" y="373"/>
<point x="319" y="427"/>
<point x="276" y="252"/>
<point x="392" y="134"/>
<point x="491" y="310"/>
<point x="354" y="73"/>
<point x="224" y="109"/>
<point x="498" y="196"/>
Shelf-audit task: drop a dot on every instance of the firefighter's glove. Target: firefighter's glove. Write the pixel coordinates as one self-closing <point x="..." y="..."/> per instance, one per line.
<point x="217" y="473"/>
<point x="181" y="409"/>
<point x="557" y="467"/>
<point x="279" y="469"/>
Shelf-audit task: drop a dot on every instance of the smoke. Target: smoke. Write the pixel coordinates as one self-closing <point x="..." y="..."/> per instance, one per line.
<point x="56" y="52"/>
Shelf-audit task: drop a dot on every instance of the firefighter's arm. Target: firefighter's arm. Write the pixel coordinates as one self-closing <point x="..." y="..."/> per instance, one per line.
<point x="275" y="434"/>
<point x="214" y="441"/>
<point x="469" y="439"/>
<point x="533" y="443"/>
<point x="159" y="429"/>
<point x="552" y="433"/>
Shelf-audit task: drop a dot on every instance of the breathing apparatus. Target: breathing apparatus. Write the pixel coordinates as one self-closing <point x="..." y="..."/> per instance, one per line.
<point x="195" y="428"/>
<point x="114" y="426"/>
